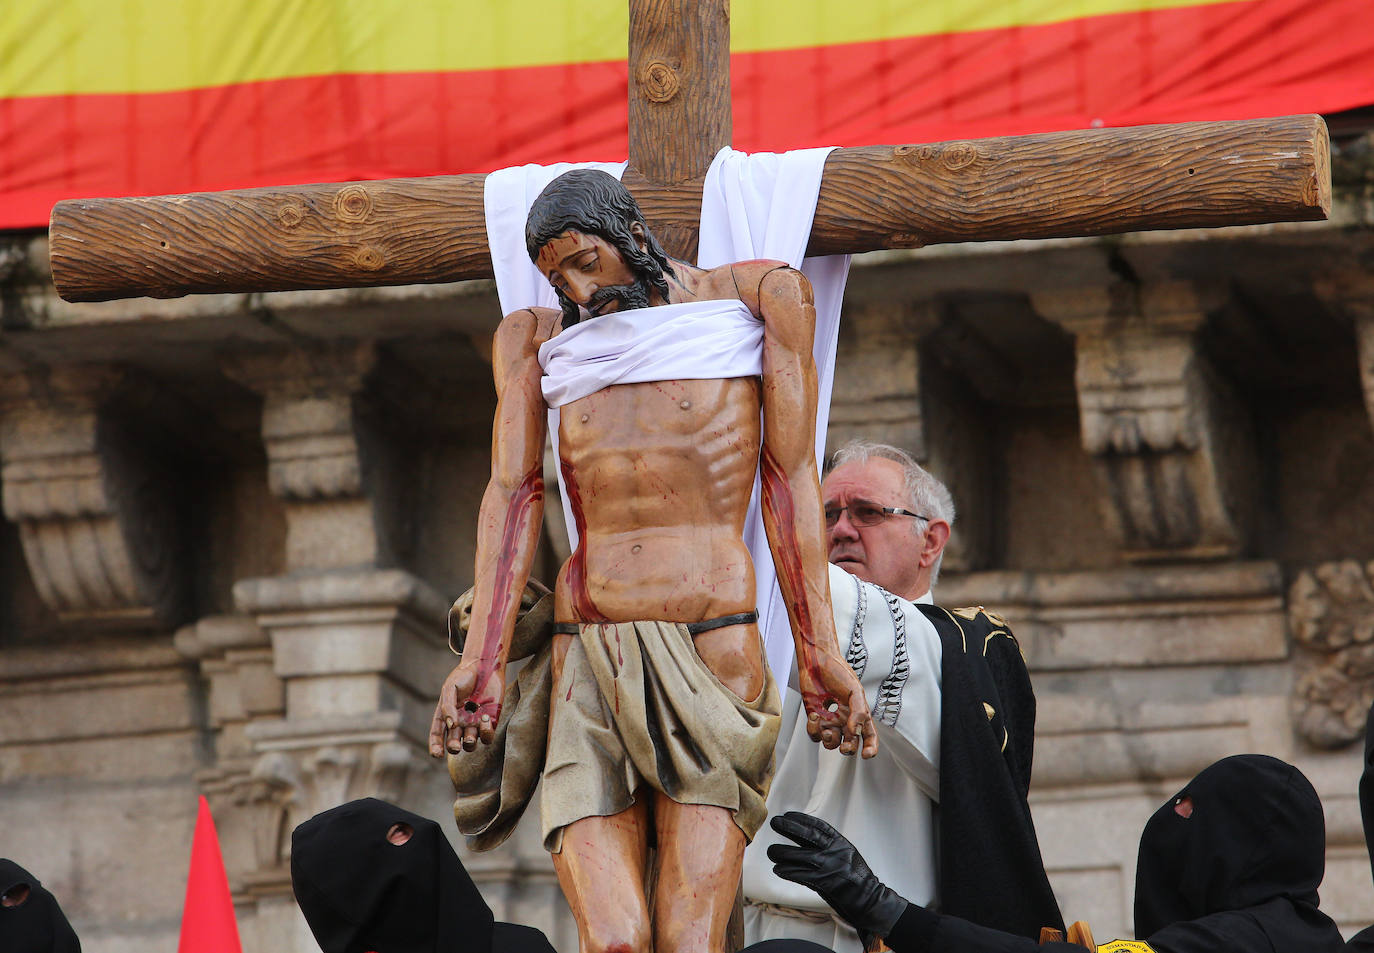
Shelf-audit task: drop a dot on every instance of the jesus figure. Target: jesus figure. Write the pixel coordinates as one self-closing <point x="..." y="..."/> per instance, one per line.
<point x="675" y="385"/>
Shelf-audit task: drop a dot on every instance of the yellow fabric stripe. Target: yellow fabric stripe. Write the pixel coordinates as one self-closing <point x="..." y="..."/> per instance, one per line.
<point x="760" y="25"/>
<point x="51" y="47"/>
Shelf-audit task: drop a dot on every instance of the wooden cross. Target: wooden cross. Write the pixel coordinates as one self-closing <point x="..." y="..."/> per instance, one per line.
<point x="404" y="231"/>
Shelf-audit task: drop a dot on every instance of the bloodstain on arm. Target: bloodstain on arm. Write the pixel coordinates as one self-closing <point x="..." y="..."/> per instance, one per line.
<point x="792" y="511"/>
<point x="524" y="512"/>
<point x="780" y="518"/>
<point x="511" y="514"/>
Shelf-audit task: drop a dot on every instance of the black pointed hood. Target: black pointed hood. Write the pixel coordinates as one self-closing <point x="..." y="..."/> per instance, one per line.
<point x="1247" y="862"/>
<point x="361" y="893"/>
<point x="37" y="925"/>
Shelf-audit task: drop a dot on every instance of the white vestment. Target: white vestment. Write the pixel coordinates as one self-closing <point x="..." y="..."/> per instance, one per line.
<point x="884" y="806"/>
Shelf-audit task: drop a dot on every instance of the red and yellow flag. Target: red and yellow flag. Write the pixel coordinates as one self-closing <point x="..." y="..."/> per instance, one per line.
<point x="161" y="96"/>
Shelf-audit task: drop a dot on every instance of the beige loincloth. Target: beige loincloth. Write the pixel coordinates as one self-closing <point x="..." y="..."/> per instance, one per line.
<point x="635" y="705"/>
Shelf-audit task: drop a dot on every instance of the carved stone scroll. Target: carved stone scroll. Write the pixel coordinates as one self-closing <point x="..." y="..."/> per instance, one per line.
<point x="1172" y="445"/>
<point x="1331" y="615"/>
<point x="93" y="500"/>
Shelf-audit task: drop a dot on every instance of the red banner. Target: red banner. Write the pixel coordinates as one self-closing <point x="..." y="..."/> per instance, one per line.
<point x="390" y="89"/>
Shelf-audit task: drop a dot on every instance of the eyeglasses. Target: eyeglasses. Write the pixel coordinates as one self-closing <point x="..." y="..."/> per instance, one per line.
<point x="866" y="514"/>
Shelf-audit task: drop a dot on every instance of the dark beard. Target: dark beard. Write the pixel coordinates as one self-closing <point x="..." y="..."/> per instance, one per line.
<point x="630" y="297"/>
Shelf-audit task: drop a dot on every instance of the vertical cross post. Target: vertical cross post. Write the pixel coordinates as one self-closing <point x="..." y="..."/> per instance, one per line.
<point x="679" y="109"/>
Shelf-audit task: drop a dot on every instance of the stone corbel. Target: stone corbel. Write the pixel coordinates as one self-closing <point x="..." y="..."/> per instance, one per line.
<point x="333" y="428"/>
<point x="346" y="642"/>
<point x="1171" y="443"/>
<point x="1331" y="616"/>
<point x="86" y="482"/>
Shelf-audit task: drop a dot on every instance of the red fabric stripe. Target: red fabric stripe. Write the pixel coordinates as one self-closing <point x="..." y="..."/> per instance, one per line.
<point x="318" y="129"/>
<point x="1217" y="61"/>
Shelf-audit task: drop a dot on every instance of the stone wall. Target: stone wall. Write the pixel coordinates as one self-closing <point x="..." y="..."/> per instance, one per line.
<point x="233" y="525"/>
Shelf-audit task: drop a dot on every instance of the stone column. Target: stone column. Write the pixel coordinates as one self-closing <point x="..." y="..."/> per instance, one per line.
<point x="357" y="638"/>
<point x="356" y="641"/>
<point x="1172" y="445"/>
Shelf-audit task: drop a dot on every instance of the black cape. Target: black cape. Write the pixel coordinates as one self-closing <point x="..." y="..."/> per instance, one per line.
<point x="989" y="865"/>
<point x="1363" y="942"/>
<point x="37" y="925"/>
<point x="360" y="892"/>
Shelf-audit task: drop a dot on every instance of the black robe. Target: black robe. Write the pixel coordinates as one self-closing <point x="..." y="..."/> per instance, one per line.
<point x="360" y="892"/>
<point x="37" y="925"/>
<point x="1239" y="875"/>
<point x="988" y="858"/>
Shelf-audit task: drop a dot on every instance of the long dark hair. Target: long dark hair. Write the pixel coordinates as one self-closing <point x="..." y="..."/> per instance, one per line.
<point x="596" y="203"/>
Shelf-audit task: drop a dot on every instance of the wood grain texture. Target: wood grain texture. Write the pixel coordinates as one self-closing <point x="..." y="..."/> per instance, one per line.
<point x="407" y="231"/>
<point x="357" y="234"/>
<point x="679" y="108"/>
<point x="1084" y="182"/>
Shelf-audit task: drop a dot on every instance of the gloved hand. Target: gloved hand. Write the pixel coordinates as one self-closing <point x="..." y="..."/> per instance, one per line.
<point x="831" y="866"/>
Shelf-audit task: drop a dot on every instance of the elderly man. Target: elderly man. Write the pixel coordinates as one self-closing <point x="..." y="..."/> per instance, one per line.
<point x="942" y="810"/>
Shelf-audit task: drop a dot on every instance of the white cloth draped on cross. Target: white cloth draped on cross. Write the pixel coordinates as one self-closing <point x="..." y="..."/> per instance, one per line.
<point x="753" y="206"/>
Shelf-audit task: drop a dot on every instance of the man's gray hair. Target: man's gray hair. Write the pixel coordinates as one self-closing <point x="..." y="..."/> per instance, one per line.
<point x="924" y="493"/>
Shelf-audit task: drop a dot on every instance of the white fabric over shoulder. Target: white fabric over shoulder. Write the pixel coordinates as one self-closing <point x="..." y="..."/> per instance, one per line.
<point x="508" y="195"/>
<point x="761" y="205"/>
<point x="695" y="340"/>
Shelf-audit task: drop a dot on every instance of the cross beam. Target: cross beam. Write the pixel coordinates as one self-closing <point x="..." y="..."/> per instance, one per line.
<point x="423" y="230"/>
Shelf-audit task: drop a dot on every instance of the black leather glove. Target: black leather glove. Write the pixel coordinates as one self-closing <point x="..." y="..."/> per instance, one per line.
<point x="831" y="866"/>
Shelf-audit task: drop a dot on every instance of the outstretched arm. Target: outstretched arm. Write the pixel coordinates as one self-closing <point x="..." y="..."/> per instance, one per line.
<point x="837" y="712"/>
<point x="829" y="864"/>
<point x="508" y="528"/>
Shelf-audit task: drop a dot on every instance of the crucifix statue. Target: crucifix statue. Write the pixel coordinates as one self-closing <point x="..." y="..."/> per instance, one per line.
<point x="433" y="230"/>
<point x="658" y="713"/>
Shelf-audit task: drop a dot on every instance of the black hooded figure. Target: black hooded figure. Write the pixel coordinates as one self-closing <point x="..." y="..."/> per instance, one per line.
<point x="1363" y="942"/>
<point x="30" y="919"/>
<point x="1230" y="864"/>
<point x="371" y="877"/>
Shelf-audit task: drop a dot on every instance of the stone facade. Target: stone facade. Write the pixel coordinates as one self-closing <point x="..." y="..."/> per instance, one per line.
<point x="233" y="525"/>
